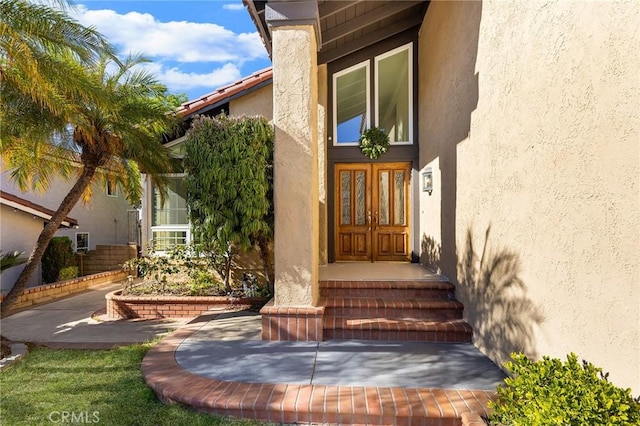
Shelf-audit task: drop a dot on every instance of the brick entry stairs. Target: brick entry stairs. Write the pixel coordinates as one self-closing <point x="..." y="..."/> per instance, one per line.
<point x="424" y="311"/>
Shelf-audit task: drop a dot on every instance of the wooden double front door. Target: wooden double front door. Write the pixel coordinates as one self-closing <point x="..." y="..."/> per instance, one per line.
<point x="372" y="211"/>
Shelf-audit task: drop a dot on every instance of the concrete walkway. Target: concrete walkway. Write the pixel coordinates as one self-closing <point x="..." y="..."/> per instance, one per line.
<point x="217" y="363"/>
<point x="228" y="347"/>
<point x="71" y="322"/>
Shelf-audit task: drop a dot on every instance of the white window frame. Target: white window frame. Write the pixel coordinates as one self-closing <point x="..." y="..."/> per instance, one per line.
<point x="172" y="227"/>
<point x="377" y="59"/>
<point x="364" y="64"/>
<point x="169" y="228"/>
<point x="84" y="249"/>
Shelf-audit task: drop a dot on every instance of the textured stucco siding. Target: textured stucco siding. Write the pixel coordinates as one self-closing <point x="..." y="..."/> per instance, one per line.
<point x="105" y="218"/>
<point x="259" y="102"/>
<point x="530" y="121"/>
<point x="295" y="116"/>
<point x="19" y="232"/>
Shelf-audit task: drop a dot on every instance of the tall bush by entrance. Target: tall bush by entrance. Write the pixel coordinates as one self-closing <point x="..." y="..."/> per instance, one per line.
<point x="229" y="167"/>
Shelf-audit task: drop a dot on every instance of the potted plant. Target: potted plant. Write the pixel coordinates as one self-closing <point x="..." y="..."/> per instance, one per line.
<point x="374" y="142"/>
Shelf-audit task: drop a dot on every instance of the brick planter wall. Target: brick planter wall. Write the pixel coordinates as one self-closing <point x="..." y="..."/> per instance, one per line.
<point x="49" y="292"/>
<point x="292" y="323"/>
<point x="154" y="307"/>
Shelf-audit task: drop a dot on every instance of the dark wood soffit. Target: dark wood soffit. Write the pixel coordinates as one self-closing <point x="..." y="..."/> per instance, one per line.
<point x="365" y="20"/>
<point x="370" y="39"/>
<point x="410" y="15"/>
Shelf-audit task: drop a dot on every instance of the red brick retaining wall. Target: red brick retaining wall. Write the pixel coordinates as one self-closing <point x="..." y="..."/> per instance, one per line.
<point x="153" y="307"/>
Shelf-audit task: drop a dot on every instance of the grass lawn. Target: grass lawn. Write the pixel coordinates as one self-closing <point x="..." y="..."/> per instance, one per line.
<point x="98" y="387"/>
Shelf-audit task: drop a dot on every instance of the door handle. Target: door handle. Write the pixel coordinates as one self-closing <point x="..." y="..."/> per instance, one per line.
<point x="375" y="219"/>
<point x="369" y="219"/>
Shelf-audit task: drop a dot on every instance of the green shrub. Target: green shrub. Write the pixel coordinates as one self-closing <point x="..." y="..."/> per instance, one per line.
<point x="58" y="255"/>
<point x="67" y="273"/>
<point x="204" y="282"/>
<point x="552" y="392"/>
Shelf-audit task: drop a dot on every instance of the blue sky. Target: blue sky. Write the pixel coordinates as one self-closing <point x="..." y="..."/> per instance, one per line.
<point x="195" y="46"/>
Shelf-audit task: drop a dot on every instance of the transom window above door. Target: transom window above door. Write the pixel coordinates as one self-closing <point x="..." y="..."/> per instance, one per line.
<point x="391" y="100"/>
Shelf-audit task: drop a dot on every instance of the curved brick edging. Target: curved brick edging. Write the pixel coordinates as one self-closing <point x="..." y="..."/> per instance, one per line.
<point x="287" y="403"/>
<point x="154" y="307"/>
<point x="49" y="292"/>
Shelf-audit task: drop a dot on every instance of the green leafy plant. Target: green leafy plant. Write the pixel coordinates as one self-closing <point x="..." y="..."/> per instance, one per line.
<point x="68" y="273"/>
<point x="58" y="255"/>
<point x="553" y="392"/>
<point x="184" y="270"/>
<point x="374" y="143"/>
<point x="229" y="166"/>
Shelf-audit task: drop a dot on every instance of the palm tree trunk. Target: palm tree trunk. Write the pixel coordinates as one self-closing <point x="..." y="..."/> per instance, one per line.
<point x="45" y="237"/>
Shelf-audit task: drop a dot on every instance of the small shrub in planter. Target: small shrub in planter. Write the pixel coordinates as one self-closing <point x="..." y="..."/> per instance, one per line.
<point x="552" y="392"/>
<point x="58" y="255"/>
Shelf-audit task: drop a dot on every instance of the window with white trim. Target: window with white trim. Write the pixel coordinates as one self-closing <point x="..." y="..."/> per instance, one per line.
<point x="169" y="221"/>
<point x="351" y="104"/>
<point x="391" y="100"/>
<point x="394" y="106"/>
<point x="82" y="242"/>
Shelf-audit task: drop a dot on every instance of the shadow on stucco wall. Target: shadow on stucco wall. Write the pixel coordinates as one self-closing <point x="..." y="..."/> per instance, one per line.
<point x="495" y="299"/>
<point x="430" y="254"/>
<point x="448" y="100"/>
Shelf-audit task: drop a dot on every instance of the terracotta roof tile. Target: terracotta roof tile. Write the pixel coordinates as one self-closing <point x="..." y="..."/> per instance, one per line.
<point x="192" y="107"/>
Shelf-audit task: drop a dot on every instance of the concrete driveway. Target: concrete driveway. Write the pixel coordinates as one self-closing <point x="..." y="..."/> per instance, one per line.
<point x="68" y="323"/>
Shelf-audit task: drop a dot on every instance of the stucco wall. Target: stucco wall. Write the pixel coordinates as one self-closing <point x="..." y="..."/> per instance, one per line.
<point x="105" y="218"/>
<point x="19" y="232"/>
<point x="258" y="102"/>
<point x="296" y="226"/>
<point x="529" y="119"/>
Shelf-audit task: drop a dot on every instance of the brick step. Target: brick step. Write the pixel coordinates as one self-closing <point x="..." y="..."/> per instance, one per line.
<point x="340" y="328"/>
<point x="425" y="309"/>
<point x="388" y="289"/>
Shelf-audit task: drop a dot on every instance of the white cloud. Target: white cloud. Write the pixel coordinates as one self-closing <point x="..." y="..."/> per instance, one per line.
<point x="233" y="6"/>
<point x="179" y="81"/>
<point x="179" y="41"/>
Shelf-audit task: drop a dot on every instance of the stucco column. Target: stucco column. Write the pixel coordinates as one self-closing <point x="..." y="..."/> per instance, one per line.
<point x="293" y="28"/>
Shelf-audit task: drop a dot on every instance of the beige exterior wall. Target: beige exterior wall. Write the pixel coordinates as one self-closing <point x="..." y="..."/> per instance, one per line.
<point x="104" y="218"/>
<point x="529" y="119"/>
<point x="19" y="232"/>
<point x="258" y="102"/>
<point x="295" y="100"/>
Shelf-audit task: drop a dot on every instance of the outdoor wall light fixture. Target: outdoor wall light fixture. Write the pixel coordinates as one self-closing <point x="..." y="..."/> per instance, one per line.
<point x="427" y="180"/>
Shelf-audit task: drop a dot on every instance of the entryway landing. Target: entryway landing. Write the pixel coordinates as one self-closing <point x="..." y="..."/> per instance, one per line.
<point x="217" y="365"/>
<point x="379" y="271"/>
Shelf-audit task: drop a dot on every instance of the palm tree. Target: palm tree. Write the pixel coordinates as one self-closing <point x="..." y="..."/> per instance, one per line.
<point x="35" y="41"/>
<point x="114" y="139"/>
